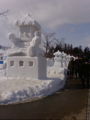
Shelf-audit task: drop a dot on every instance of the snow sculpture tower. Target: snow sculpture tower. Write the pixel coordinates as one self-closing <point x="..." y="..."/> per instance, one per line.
<point x="63" y="59"/>
<point x="31" y="63"/>
<point x="58" y="59"/>
<point x="57" y="68"/>
<point x="27" y="26"/>
<point x="34" y="48"/>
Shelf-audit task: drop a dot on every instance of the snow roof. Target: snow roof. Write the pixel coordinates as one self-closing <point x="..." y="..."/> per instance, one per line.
<point x="27" y="20"/>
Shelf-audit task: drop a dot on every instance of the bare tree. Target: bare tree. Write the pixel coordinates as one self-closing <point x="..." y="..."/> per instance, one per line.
<point x="48" y="42"/>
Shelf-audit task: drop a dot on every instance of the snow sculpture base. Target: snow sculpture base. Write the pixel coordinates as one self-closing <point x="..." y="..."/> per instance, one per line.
<point x="23" y="67"/>
<point x="18" y="91"/>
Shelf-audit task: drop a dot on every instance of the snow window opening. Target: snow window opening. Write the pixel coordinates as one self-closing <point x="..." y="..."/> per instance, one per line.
<point x="30" y="63"/>
<point x="11" y="63"/>
<point x="21" y="63"/>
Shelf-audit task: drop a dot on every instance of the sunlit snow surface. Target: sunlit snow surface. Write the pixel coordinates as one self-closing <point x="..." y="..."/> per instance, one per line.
<point x="21" y="90"/>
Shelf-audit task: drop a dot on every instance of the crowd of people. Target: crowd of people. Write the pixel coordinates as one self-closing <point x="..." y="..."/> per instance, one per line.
<point x="80" y="68"/>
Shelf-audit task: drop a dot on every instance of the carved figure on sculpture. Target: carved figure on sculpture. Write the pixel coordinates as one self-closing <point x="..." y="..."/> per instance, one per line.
<point x="16" y="42"/>
<point x="34" y="48"/>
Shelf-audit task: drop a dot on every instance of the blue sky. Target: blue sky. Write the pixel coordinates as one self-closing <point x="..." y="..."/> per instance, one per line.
<point x="69" y="19"/>
<point x="77" y="34"/>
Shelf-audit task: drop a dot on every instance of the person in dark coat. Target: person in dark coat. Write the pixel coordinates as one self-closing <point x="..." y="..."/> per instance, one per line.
<point x="71" y="67"/>
<point x="84" y="73"/>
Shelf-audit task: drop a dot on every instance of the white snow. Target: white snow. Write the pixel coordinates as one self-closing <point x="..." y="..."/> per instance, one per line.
<point x="27" y="20"/>
<point x="16" y="90"/>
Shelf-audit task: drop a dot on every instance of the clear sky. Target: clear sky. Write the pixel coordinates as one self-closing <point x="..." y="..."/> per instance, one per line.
<point x="69" y="19"/>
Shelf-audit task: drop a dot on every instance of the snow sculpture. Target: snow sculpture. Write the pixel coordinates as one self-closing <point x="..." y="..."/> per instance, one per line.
<point x="16" y="42"/>
<point x="25" y="75"/>
<point x="60" y="64"/>
<point x="58" y="58"/>
<point x="12" y="38"/>
<point x="63" y="61"/>
<point x="25" y="55"/>
<point x="28" y="26"/>
<point x="34" y="48"/>
<point x="57" y="68"/>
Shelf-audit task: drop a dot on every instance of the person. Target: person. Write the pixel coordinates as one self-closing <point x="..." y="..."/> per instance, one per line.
<point x="87" y="73"/>
<point x="84" y="72"/>
<point x="71" y="68"/>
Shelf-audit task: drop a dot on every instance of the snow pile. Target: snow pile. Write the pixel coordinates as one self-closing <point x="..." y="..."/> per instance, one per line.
<point x="15" y="91"/>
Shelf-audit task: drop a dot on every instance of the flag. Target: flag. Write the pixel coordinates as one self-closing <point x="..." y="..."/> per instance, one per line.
<point x="1" y="62"/>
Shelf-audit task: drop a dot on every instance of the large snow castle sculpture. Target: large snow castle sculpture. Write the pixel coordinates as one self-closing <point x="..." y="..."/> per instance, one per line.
<point x="23" y="76"/>
<point x="25" y="58"/>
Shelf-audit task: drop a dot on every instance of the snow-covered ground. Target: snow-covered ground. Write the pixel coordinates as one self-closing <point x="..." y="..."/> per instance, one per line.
<point x="14" y="91"/>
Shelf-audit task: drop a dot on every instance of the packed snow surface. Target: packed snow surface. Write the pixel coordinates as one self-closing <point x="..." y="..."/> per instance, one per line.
<point x="19" y="90"/>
